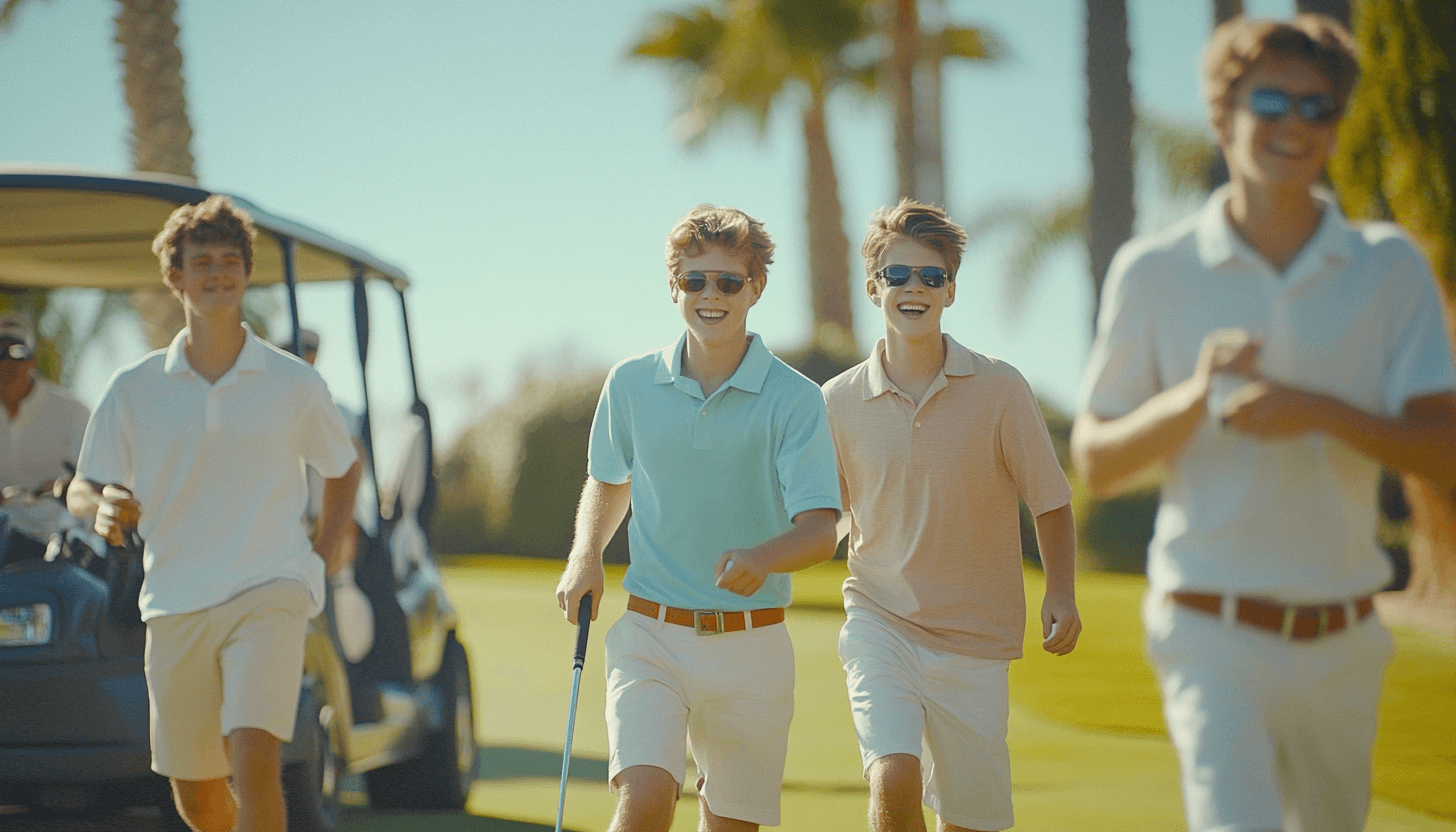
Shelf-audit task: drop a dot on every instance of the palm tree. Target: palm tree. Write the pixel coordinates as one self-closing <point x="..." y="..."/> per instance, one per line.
<point x="161" y="133"/>
<point x="1110" y="120"/>
<point x="920" y="44"/>
<point x="739" y="57"/>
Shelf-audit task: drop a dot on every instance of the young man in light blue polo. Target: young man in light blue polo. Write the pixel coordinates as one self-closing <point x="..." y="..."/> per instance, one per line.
<point x="724" y="454"/>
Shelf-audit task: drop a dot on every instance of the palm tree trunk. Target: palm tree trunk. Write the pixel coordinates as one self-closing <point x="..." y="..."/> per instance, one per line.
<point x="828" y="244"/>
<point x="1224" y="10"/>
<point x="161" y="133"/>
<point x="1338" y="9"/>
<point x="1109" y="130"/>
<point x="930" y="112"/>
<point x="904" y="48"/>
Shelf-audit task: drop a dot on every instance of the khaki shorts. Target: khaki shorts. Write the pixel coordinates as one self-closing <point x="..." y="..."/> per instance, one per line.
<point x="950" y="711"/>
<point x="236" y="665"/>
<point x="729" y="696"/>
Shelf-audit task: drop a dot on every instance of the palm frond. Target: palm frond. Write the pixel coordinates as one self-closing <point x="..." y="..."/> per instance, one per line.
<point x="1039" y="230"/>
<point x="973" y="44"/>
<point x="1182" y="151"/>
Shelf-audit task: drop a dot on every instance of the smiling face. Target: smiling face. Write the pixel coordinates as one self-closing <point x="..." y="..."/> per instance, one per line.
<point x="911" y="311"/>
<point x="714" y="318"/>
<point x="1285" y="152"/>
<point x="211" y="278"/>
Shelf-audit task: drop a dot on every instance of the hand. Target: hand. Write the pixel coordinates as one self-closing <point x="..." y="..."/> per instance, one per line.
<point x="117" y="512"/>
<point x="576" y="581"/>
<point x="1231" y="351"/>
<point x="739" y="572"/>
<point x="1061" y="611"/>
<point x="1269" y="410"/>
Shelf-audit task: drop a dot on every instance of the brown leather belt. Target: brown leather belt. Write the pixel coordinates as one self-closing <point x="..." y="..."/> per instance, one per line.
<point x="1300" y="622"/>
<point x="707" y="622"/>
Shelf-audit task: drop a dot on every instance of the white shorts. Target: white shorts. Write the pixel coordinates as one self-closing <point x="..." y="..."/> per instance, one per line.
<point x="729" y="697"/>
<point x="236" y="665"/>
<point x="949" y="710"/>
<point x="1270" y="734"/>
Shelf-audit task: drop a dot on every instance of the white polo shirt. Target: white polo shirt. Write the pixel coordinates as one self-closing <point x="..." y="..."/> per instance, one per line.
<point x="1355" y="316"/>
<point x="45" y="433"/>
<point x="218" y="470"/>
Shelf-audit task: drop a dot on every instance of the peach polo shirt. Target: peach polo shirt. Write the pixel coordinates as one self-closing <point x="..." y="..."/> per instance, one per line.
<point x="932" y="490"/>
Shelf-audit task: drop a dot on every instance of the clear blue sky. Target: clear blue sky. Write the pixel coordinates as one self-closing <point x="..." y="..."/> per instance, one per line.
<point x="524" y="173"/>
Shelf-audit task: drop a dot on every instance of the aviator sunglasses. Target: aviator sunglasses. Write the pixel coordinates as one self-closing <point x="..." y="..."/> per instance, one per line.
<point x="1273" y="104"/>
<point x="693" y="282"/>
<point x="933" y="277"/>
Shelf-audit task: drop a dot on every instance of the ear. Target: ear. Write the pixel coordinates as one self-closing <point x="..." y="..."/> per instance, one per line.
<point x="949" y="293"/>
<point x="757" y="286"/>
<point x="872" y="288"/>
<point x="170" y="281"/>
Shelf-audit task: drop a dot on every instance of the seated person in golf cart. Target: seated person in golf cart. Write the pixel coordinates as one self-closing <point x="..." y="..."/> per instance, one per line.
<point x="44" y="424"/>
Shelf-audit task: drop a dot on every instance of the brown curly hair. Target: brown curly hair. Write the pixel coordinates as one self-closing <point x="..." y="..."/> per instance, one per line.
<point x="1238" y="44"/>
<point x="213" y="220"/>
<point x="926" y="224"/>
<point x="728" y="229"/>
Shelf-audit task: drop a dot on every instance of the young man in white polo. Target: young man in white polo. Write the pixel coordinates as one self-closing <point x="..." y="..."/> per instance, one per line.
<point x="1271" y="357"/>
<point x="202" y="447"/>
<point x="723" y="453"/>
<point x="936" y="446"/>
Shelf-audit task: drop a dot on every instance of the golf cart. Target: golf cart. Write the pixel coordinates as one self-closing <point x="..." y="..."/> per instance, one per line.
<point x="386" y="689"/>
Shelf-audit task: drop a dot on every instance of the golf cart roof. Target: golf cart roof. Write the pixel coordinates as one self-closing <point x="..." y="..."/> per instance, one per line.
<point x="62" y="228"/>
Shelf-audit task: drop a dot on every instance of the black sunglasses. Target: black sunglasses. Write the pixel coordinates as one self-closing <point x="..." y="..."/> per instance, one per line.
<point x="693" y="282"/>
<point x="1273" y="104"/>
<point x="933" y="277"/>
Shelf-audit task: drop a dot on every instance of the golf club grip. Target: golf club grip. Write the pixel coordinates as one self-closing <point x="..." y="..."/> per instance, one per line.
<point x="583" y="626"/>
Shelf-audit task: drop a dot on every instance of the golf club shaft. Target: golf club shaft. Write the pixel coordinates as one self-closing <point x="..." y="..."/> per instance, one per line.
<point x="583" y="626"/>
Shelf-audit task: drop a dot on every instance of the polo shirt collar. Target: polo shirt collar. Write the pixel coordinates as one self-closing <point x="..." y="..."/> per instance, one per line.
<point x="749" y="377"/>
<point x="251" y="359"/>
<point x="959" y="361"/>
<point x="1219" y="244"/>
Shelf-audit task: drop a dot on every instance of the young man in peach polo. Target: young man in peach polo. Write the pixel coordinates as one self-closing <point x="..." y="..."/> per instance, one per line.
<point x="936" y="444"/>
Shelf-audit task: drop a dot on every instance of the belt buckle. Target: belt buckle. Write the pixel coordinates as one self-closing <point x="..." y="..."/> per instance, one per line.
<point x="699" y="616"/>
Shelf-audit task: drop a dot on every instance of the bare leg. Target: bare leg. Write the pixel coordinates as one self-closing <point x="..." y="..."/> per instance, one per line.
<point x="709" y="822"/>
<point x="646" y="800"/>
<point x="256" y="757"/>
<point x="950" y="827"/>
<point x="206" y="805"/>
<point x="895" y="794"/>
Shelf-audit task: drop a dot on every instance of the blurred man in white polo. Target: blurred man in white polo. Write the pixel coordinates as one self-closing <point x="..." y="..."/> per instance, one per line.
<point x="201" y="447"/>
<point x="44" y="424"/>
<point x="1272" y="356"/>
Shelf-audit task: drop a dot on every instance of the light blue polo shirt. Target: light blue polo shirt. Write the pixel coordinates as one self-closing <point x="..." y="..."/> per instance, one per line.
<point x="708" y="475"/>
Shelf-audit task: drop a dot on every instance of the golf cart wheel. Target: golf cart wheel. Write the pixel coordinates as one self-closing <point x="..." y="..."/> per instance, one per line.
<point x="311" y="786"/>
<point x="440" y="778"/>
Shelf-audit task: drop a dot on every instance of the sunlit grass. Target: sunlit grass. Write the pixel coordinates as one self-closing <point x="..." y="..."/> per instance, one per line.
<point x="1088" y="751"/>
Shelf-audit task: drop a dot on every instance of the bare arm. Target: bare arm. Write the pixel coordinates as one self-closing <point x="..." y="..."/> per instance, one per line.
<point x="110" y="509"/>
<point x="336" y="519"/>
<point x="811" y="541"/>
<point x="602" y="508"/>
<point x="1421" y="441"/>
<point x="1109" y="453"/>
<point x="1056" y="538"/>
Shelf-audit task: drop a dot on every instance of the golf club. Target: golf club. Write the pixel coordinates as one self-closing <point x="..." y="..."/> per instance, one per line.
<point x="583" y="626"/>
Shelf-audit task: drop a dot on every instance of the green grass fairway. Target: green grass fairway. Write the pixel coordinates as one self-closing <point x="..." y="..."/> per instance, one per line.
<point x="1087" y="745"/>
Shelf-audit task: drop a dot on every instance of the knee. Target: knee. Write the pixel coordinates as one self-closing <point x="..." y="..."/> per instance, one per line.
<point x="646" y="798"/>
<point x="206" y="805"/>
<point x="896" y="774"/>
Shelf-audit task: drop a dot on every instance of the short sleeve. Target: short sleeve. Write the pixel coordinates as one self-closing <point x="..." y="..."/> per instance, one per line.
<point x="804" y="459"/>
<point x="609" y="451"/>
<point x="1422" y="362"/>
<point x="1027" y="452"/>
<point x="105" y="453"/>
<point x="1121" y="373"/>
<point x="323" y="435"/>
